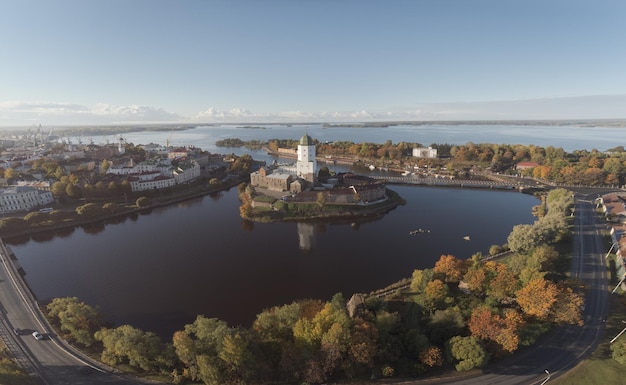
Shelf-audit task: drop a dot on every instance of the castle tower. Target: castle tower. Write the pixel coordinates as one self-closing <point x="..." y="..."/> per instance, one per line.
<point x="306" y="166"/>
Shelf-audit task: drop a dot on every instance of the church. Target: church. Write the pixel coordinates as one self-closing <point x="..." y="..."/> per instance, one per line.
<point x="283" y="179"/>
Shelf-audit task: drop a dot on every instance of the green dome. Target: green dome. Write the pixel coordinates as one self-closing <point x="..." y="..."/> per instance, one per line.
<point x="306" y="140"/>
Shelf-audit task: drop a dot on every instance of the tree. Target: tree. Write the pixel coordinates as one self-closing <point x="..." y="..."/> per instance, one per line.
<point x="431" y="357"/>
<point x="435" y="293"/>
<point x="139" y="349"/>
<point x="568" y="306"/>
<point x="537" y="297"/>
<point x="468" y="353"/>
<point x="110" y="208"/>
<point x="58" y="189"/>
<point x="489" y="326"/>
<point x="449" y="268"/>
<point x="10" y="173"/>
<point x="142" y="202"/>
<point x="420" y="279"/>
<point x="73" y="191"/>
<point x="90" y="210"/>
<point x="104" y="166"/>
<point x="321" y="200"/>
<point x="36" y="218"/>
<point x="78" y="319"/>
<point x="618" y="350"/>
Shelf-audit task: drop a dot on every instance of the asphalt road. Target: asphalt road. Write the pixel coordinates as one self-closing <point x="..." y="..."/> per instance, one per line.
<point x="48" y="360"/>
<point x="566" y="346"/>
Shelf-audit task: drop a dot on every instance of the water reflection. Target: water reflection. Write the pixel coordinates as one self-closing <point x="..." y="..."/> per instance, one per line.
<point x="306" y="236"/>
<point x="247" y="225"/>
<point x="93" y="228"/>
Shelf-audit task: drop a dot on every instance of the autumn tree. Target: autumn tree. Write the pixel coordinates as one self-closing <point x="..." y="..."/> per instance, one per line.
<point x="431" y="356"/>
<point x="500" y="330"/>
<point x="537" y="298"/>
<point x="568" y="306"/>
<point x="449" y="268"/>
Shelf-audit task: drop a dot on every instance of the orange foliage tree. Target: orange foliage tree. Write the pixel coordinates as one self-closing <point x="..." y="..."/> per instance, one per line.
<point x="537" y="298"/>
<point x="502" y="330"/>
<point x="449" y="268"/>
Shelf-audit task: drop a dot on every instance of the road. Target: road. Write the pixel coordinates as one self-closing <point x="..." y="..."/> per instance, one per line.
<point x="566" y="346"/>
<point x="48" y="360"/>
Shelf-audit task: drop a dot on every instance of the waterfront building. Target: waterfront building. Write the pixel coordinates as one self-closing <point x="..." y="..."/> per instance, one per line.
<point x="23" y="198"/>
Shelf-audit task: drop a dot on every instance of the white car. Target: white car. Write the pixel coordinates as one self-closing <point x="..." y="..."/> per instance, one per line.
<point x="38" y="336"/>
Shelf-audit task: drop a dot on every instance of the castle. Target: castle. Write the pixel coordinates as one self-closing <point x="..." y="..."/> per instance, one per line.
<point x="282" y="179"/>
<point x="345" y="188"/>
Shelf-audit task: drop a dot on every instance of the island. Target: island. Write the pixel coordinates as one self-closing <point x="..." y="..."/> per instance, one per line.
<point x="301" y="192"/>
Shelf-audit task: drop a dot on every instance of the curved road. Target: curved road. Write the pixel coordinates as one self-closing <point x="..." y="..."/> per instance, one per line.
<point x="49" y="360"/>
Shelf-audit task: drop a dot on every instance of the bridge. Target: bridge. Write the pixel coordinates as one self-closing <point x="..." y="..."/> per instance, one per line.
<point x="457" y="182"/>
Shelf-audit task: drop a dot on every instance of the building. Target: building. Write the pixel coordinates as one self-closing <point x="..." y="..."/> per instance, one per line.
<point x="521" y="166"/>
<point x="286" y="178"/>
<point x="422" y="152"/>
<point x="151" y="180"/>
<point x="23" y="198"/>
<point x="306" y="165"/>
<point x="267" y="178"/>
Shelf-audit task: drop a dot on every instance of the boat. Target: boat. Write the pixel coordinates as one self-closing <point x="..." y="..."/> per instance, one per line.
<point x="467" y="237"/>
<point x="419" y="231"/>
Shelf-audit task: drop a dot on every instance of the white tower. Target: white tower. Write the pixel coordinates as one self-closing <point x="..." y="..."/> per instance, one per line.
<point x="121" y="149"/>
<point x="306" y="165"/>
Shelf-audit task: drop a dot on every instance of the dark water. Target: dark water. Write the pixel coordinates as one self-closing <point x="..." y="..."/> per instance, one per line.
<point x="158" y="271"/>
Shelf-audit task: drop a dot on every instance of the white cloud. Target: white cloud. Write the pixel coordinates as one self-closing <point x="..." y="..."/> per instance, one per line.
<point x="54" y="113"/>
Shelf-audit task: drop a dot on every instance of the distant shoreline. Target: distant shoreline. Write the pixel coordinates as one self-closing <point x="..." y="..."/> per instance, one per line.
<point x="103" y="129"/>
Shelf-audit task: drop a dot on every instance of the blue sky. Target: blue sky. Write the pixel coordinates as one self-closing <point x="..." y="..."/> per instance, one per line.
<point x="130" y="61"/>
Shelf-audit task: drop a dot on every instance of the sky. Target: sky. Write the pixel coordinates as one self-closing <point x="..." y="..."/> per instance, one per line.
<point x="76" y="62"/>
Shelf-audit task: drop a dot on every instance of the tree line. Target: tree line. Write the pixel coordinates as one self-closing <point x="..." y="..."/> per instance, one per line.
<point x="460" y="314"/>
<point x="579" y="167"/>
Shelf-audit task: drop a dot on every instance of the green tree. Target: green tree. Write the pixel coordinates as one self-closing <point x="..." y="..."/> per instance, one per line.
<point x="420" y="279"/>
<point x="467" y="352"/>
<point x="126" y="344"/>
<point x="78" y="319"/>
<point x="618" y="350"/>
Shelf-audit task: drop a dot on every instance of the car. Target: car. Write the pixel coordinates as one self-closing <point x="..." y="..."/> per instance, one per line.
<point x="38" y="336"/>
